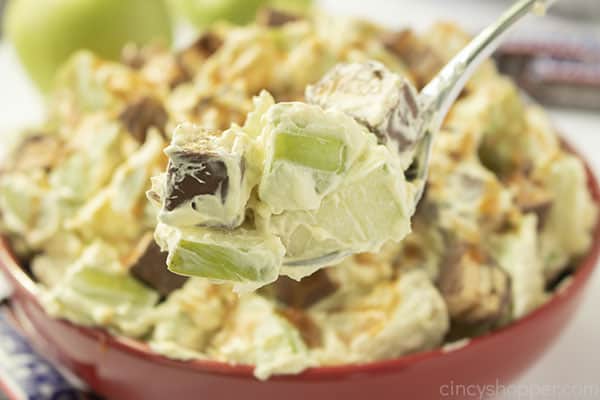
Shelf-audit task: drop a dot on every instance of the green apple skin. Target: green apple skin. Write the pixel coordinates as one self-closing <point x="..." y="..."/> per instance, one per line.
<point x="298" y="6"/>
<point x="46" y="32"/>
<point x="202" y="13"/>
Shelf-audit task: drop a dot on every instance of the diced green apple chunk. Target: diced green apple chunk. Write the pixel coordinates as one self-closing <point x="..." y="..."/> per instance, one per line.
<point x="359" y="216"/>
<point x="307" y="153"/>
<point x="226" y="258"/>
<point x="112" y="289"/>
<point x="213" y="261"/>
<point x="321" y="153"/>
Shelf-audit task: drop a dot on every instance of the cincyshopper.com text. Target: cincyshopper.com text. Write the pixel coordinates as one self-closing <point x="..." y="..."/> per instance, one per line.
<point x="454" y="390"/>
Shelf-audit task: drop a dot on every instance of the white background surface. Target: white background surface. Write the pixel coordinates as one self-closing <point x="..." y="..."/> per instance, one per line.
<point x="575" y="359"/>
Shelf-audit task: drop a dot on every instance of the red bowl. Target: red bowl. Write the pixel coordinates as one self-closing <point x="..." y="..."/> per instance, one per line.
<point x="122" y="368"/>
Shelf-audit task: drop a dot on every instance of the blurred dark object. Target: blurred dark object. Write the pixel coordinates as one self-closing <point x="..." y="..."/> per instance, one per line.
<point x="2" y="4"/>
<point x="559" y="70"/>
<point x="274" y="18"/>
<point x="582" y="9"/>
<point x="148" y="264"/>
<point x="25" y="375"/>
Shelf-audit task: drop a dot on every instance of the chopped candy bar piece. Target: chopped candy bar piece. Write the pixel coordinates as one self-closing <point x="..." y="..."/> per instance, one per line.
<point x="149" y="266"/>
<point x="275" y="18"/>
<point x="384" y="102"/>
<point x="143" y="114"/>
<point x="475" y="291"/>
<point x="306" y="292"/>
<point x="206" y="182"/>
<point x="194" y="174"/>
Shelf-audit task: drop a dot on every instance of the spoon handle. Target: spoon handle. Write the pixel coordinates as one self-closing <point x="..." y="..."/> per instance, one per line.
<point x="439" y="94"/>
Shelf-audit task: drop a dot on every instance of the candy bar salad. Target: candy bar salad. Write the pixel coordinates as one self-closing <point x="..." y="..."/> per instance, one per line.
<point x="89" y="204"/>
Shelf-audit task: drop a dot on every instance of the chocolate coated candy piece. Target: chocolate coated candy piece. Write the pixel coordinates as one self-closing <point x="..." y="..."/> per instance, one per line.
<point x="401" y="124"/>
<point x="309" y="330"/>
<point x="305" y="293"/>
<point x="190" y="59"/>
<point x="192" y="174"/>
<point x="422" y="60"/>
<point x="382" y="101"/>
<point x="207" y="44"/>
<point x="37" y="151"/>
<point x="143" y="114"/>
<point x="475" y="290"/>
<point x="532" y="198"/>
<point x="149" y="265"/>
<point x="136" y="56"/>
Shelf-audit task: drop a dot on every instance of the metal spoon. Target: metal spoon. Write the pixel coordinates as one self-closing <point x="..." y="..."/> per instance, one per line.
<point x="437" y="97"/>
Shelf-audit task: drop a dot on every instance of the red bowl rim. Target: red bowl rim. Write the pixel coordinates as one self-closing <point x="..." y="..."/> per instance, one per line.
<point x="25" y="285"/>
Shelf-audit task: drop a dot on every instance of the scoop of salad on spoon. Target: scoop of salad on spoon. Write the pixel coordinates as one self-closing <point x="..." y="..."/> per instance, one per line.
<point x="302" y="185"/>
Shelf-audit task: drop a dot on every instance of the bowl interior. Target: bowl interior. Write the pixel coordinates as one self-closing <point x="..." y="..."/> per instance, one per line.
<point x="26" y="289"/>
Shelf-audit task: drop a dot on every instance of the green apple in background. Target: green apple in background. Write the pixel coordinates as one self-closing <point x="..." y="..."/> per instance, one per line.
<point x="291" y="5"/>
<point x="202" y="13"/>
<point x="46" y="32"/>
